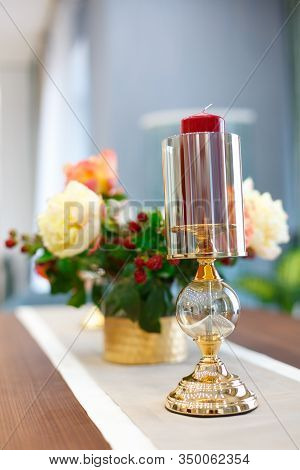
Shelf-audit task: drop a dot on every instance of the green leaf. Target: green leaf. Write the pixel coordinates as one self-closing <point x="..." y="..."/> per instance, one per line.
<point x="169" y="300"/>
<point x="79" y="297"/>
<point x="144" y="289"/>
<point x="263" y="289"/>
<point x="63" y="276"/>
<point x="116" y="197"/>
<point x="167" y="271"/>
<point x="110" y="225"/>
<point x="124" y="296"/>
<point x="131" y="303"/>
<point x="154" y="307"/>
<point x="45" y="257"/>
<point x="286" y="300"/>
<point x="60" y="284"/>
<point x="66" y="266"/>
<point x="112" y="303"/>
<point x="145" y="240"/>
<point x="151" y="325"/>
<point x="288" y="269"/>
<point x="97" y="293"/>
<point x="155" y="219"/>
<point x="128" y="270"/>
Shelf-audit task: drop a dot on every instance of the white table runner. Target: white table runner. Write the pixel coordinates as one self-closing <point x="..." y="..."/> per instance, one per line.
<point x="127" y="402"/>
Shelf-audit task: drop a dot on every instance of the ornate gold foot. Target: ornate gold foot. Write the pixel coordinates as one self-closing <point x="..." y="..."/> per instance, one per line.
<point x="211" y="391"/>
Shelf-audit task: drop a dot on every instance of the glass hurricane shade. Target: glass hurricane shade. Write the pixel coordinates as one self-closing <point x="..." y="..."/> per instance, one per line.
<point x="203" y="195"/>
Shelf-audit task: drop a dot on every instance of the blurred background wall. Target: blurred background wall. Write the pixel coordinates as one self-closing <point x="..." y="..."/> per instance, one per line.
<point x="80" y="75"/>
<point x="149" y="56"/>
<point x="22" y="28"/>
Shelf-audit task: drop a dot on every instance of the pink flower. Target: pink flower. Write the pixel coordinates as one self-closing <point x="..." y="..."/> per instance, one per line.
<point x="265" y="222"/>
<point x="98" y="172"/>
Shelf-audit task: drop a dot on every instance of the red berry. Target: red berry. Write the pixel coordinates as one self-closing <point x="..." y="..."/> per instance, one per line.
<point x="140" y="276"/>
<point x="142" y="217"/>
<point x="134" y="226"/>
<point x="10" y="243"/>
<point x="139" y="262"/>
<point x="24" y="249"/>
<point x="154" y="263"/>
<point x="127" y="243"/>
<point x="174" y="262"/>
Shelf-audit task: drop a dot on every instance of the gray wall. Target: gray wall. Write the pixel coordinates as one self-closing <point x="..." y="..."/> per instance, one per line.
<point x="153" y="55"/>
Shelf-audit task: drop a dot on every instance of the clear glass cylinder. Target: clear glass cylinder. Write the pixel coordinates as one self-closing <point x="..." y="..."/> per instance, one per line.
<point x="203" y="195"/>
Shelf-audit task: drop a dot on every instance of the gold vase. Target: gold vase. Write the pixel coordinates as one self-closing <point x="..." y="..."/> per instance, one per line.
<point x="126" y="343"/>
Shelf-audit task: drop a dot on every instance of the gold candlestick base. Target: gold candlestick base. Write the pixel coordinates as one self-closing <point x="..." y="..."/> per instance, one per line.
<point x="211" y="391"/>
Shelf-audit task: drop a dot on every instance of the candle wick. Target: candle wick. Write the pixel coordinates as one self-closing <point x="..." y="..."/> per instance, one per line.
<point x="206" y="108"/>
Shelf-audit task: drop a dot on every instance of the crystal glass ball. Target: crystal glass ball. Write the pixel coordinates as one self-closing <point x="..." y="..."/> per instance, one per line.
<point x="207" y="308"/>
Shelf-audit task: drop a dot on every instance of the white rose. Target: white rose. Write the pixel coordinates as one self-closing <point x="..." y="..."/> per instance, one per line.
<point x="71" y="221"/>
<point x="266" y="222"/>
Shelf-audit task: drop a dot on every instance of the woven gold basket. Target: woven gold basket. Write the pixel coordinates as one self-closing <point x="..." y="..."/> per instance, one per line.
<point x="126" y="343"/>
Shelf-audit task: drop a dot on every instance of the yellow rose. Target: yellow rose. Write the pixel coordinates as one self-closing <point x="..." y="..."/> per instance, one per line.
<point x="71" y="221"/>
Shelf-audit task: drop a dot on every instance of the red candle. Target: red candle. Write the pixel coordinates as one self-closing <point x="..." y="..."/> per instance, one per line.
<point x="202" y="122"/>
<point x="193" y="168"/>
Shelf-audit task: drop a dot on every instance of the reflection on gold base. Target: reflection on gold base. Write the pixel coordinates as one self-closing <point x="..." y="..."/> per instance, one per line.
<point x="93" y="319"/>
<point x="211" y="391"/>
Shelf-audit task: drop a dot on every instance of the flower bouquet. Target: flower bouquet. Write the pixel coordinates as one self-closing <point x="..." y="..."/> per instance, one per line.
<point x="87" y="229"/>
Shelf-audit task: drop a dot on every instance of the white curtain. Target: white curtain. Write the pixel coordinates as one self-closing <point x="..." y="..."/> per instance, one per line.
<point x="64" y="106"/>
<point x="64" y="113"/>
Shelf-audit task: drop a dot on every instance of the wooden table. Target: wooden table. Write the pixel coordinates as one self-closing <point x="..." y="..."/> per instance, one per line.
<point x="271" y="334"/>
<point x="54" y="419"/>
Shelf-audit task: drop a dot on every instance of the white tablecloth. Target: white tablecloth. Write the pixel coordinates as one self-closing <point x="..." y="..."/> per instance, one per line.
<point x="127" y="402"/>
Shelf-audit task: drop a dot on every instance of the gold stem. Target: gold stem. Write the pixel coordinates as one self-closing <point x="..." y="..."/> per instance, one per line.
<point x="209" y="345"/>
<point x="206" y="270"/>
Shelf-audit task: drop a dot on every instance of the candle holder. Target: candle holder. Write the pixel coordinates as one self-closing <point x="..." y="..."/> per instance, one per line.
<point x="204" y="221"/>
